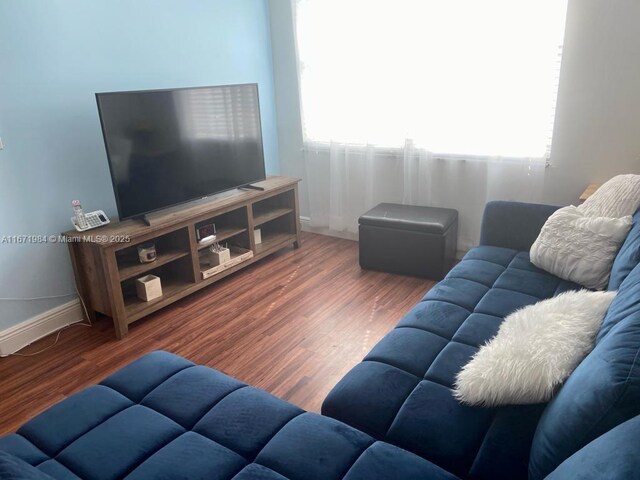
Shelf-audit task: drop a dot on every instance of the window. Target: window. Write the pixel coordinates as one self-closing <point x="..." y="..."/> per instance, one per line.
<point x="461" y="77"/>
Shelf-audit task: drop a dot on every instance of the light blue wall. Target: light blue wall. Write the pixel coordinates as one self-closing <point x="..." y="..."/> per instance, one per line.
<point x="285" y="74"/>
<point x="54" y="55"/>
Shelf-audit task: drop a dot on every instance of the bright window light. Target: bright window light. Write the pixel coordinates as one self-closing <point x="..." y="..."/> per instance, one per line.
<point x="462" y="77"/>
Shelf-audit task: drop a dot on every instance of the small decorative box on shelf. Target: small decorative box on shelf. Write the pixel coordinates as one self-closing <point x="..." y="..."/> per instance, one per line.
<point x="219" y="257"/>
<point x="148" y="287"/>
<point x="238" y="255"/>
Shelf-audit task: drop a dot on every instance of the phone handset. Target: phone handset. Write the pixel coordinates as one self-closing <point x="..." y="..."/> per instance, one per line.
<point x="86" y="221"/>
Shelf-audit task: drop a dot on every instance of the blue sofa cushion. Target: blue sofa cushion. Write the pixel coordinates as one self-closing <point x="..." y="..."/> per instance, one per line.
<point x="628" y="256"/>
<point x="625" y="305"/>
<point x="21" y="447"/>
<point x="312" y="447"/>
<point x="602" y="392"/>
<point x="401" y="392"/>
<point x="513" y="225"/>
<point x="613" y="455"/>
<point x="382" y="460"/>
<point x="164" y="417"/>
<point x="56" y="470"/>
<point x="190" y="456"/>
<point x="246" y="419"/>
<point x="116" y="446"/>
<point x="13" y="468"/>
<point x="51" y="431"/>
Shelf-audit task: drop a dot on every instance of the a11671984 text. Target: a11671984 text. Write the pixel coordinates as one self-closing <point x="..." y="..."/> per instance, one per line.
<point x="37" y="239"/>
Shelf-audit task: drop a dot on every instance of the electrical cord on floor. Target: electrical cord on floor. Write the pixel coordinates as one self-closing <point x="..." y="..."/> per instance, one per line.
<point x="55" y="342"/>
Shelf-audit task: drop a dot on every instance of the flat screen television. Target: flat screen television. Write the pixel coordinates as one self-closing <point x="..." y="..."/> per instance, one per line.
<point x="167" y="147"/>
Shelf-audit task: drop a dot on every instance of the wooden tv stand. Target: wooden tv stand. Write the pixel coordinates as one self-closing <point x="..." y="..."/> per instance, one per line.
<point x="105" y="260"/>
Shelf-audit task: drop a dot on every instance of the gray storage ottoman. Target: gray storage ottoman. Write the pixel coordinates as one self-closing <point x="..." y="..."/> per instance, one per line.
<point x="410" y="240"/>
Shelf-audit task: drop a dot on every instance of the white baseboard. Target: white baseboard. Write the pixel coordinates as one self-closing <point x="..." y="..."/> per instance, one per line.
<point x="19" y="336"/>
<point x="305" y="223"/>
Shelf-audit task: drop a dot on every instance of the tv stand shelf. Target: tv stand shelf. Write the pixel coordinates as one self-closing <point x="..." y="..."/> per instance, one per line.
<point x="270" y="215"/>
<point x="133" y="268"/>
<point x="106" y="265"/>
<point x="224" y="234"/>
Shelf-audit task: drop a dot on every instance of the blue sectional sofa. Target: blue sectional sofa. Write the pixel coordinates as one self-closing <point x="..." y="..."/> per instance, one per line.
<point x="401" y="392"/>
<point x="163" y="417"/>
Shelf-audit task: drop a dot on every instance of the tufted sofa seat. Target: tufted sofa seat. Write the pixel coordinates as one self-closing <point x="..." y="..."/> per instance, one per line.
<point x="162" y="417"/>
<point x="401" y="392"/>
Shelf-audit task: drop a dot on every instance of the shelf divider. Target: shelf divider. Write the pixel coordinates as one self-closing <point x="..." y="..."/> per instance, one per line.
<point x="131" y="267"/>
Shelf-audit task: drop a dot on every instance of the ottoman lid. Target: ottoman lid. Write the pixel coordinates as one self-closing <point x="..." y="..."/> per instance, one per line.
<point x="410" y="217"/>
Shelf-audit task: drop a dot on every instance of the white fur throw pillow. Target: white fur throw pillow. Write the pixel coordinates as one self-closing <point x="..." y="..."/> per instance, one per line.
<point x="579" y="248"/>
<point x="534" y="351"/>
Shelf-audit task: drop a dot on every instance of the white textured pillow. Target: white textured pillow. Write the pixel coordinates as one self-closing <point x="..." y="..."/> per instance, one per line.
<point x="579" y="248"/>
<point x="581" y="243"/>
<point x="535" y="350"/>
<point x="618" y="197"/>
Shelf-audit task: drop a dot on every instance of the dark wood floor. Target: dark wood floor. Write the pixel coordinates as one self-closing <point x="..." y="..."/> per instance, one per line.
<point x="292" y="324"/>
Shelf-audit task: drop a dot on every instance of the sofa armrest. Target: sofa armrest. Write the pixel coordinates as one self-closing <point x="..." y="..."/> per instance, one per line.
<point x="513" y="225"/>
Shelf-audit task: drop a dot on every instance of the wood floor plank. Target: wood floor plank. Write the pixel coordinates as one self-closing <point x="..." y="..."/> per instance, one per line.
<point x="292" y="324"/>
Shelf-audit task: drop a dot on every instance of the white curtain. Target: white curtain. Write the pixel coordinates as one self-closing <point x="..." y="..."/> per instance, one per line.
<point x="344" y="181"/>
<point x="473" y="81"/>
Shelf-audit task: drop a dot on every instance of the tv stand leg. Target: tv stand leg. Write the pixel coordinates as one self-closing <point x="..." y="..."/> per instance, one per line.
<point x="121" y="327"/>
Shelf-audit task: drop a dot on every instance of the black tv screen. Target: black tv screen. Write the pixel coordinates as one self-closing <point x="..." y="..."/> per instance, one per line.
<point x="170" y="146"/>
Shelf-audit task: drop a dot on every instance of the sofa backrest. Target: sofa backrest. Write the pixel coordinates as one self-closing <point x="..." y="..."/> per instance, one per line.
<point x="613" y="455"/>
<point x="601" y="393"/>
<point x="628" y="256"/>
